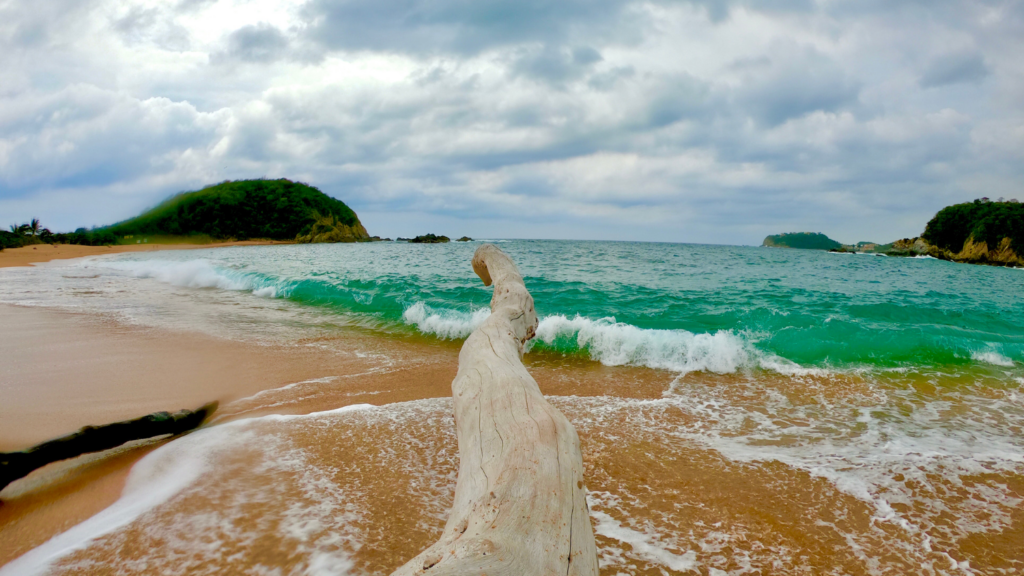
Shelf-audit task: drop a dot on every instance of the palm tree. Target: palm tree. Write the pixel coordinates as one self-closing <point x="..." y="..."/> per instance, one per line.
<point x="19" y="229"/>
<point x="34" y="227"/>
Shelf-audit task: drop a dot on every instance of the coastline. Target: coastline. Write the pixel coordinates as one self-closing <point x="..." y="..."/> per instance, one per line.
<point x="677" y="466"/>
<point x="68" y="370"/>
<point x="73" y="369"/>
<point x="38" y="253"/>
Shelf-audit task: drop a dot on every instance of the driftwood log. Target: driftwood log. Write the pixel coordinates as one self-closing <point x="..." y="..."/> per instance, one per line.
<point x="520" y="503"/>
<point x="15" y="465"/>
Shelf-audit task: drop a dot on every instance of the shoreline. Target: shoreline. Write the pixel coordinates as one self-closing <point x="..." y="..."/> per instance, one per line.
<point x="676" y="465"/>
<point x="72" y="369"/>
<point x="40" y="253"/>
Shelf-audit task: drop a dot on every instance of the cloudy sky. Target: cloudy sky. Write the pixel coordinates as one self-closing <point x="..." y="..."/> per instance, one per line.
<point x="714" y="121"/>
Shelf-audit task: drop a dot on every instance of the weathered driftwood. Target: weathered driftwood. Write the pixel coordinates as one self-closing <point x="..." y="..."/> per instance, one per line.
<point x="520" y="506"/>
<point x="15" y="465"/>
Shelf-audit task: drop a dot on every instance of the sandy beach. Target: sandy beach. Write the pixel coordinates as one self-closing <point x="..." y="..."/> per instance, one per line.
<point x="64" y="370"/>
<point x="28" y="255"/>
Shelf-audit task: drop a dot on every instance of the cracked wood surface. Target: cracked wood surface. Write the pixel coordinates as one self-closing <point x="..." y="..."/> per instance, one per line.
<point x="520" y="502"/>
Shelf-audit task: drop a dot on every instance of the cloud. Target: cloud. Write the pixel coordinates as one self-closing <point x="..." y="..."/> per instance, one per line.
<point x="955" y="68"/>
<point x="795" y="82"/>
<point x="712" y="120"/>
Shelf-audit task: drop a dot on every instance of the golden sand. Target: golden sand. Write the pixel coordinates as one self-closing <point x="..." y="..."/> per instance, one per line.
<point x="366" y="490"/>
<point x="28" y="255"/>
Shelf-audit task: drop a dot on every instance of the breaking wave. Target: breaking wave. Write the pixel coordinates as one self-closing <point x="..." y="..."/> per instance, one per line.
<point x="618" y="344"/>
<point x="447" y="324"/>
<point x="994" y="358"/>
<point x="199" y="274"/>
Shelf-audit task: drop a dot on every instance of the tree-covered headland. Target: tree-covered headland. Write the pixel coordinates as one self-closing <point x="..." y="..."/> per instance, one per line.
<point x="239" y="210"/>
<point x="243" y="209"/>
<point x="976" y="222"/>
<point x="978" y="232"/>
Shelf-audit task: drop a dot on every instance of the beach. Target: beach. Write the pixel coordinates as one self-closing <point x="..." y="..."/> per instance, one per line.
<point x="38" y="253"/>
<point x="333" y="450"/>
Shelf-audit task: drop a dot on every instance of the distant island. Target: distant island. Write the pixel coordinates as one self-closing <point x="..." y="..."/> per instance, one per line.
<point x="978" y="232"/>
<point x="802" y="240"/>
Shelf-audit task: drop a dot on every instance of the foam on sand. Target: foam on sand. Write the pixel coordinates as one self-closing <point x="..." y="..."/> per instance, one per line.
<point x="306" y="483"/>
<point x="153" y="481"/>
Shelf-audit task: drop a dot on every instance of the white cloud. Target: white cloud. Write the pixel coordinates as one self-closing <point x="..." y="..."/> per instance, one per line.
<point x="708" y="121"/>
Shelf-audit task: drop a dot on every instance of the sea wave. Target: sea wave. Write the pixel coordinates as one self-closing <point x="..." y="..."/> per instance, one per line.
<point x="198" y="274"/>
<point x="617" y="344"/>
<point x="992" y="357"/>
<point x="444" y="323"/>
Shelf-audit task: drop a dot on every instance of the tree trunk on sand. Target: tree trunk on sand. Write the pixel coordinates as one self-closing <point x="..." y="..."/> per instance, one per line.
<point x="520" y="503"/>
<point x="15" y="465"/>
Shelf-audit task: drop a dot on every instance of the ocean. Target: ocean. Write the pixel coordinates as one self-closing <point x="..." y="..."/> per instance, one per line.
<point x="754" y="410"/>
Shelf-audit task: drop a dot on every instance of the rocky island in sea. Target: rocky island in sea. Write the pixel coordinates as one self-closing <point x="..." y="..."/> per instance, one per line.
<point x="978" y="232"/>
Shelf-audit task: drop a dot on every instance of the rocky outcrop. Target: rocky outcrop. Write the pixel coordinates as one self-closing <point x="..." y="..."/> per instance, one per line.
<point x="972" y="252"/>
<point x="465" y="239"/>
<point x="430" y="239"/>
<point x="520" y="502"/>
<point x="327" y="229"/>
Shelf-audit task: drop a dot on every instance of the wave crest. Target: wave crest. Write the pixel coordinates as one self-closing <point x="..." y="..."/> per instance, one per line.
<point x="447" y="324"/>
<point x="992" y="357"/>
<point x="199" y="274"/>
<point x="616" y="344"/>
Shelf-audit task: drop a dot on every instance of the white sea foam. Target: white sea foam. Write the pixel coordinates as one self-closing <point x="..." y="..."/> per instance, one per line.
<point x="193" y="274"/>
<point x="642" y="545"/>
<point x="155" y="479"/>
<point x="188" y="274"/>
<point x="616" y="344"/>
<point x="266" y="292"/>
<point x="449" y="324"/>
<point x="992" y="357"/>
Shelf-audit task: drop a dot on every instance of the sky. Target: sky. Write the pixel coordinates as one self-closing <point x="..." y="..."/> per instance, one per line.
<point x="712" y="121"/>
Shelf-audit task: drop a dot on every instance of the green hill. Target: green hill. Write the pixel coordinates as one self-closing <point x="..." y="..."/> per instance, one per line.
<point x="274" y="209"/>
<point x="805" y="240"/>
<point x="976" y="222"/>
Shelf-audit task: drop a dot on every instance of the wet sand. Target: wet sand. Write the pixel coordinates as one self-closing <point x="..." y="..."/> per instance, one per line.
<point x="28" y="255"/>
<point x="62" y="371"/>
<point x="709" y="474"/>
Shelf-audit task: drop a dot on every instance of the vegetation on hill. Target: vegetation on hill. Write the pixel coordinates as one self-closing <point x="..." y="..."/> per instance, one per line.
<point x="243" y="209"/>
<point x="804" y="240"/>
<point x="329" y="229"/>
<point x="978" y="221"/>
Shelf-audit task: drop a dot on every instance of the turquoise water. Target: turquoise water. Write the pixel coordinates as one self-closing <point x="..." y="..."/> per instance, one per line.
<point x="671" y="306"/>
<point x="879" y="399"/>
